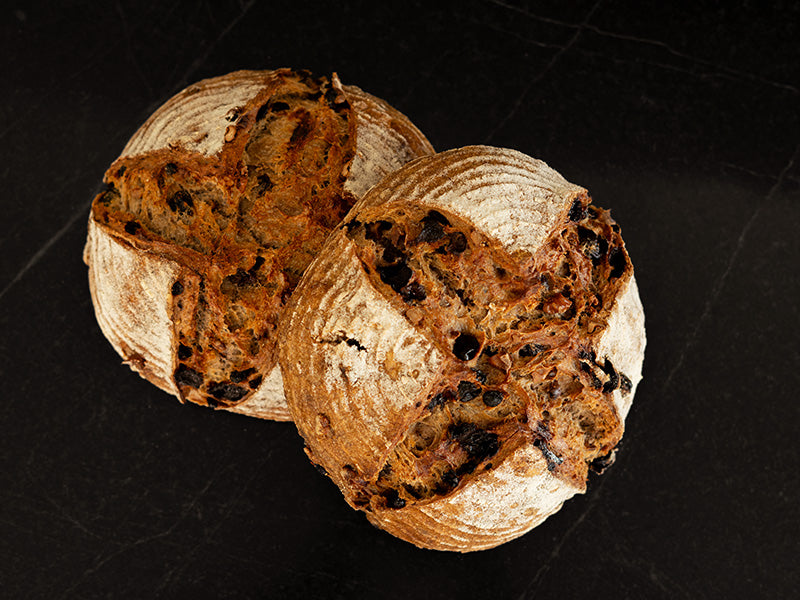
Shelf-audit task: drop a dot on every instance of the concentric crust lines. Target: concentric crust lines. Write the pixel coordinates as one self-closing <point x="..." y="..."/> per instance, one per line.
<point x="350" y="422"/>
<point x="376" y="111"/>
<point x="386" y="140"/>
<point x="428" y="180"/>
<point x="505" y="504"/>
<point x="501" y="215"/>
<point x="105" y="253"/>
<point x="428" y="183"/>
<point x="190" y="113"/>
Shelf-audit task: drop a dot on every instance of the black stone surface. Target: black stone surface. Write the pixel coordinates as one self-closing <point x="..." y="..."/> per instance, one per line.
<point x="684" y="121"/>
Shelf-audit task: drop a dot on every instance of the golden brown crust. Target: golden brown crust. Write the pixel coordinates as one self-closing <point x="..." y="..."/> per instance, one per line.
<point x="235" y="183"/>
<point x="500" y="393"/>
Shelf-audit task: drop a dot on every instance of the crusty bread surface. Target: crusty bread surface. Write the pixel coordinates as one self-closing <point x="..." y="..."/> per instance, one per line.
<point x="465" y="348"/>
<point x="211" y="214"/>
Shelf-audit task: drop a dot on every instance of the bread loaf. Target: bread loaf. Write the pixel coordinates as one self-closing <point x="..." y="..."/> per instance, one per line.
<point x="212" y="213"/>
<point x="465" y="348"/>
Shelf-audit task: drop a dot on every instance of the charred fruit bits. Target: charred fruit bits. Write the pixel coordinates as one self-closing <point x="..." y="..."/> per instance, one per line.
<point x="470" y="412"/>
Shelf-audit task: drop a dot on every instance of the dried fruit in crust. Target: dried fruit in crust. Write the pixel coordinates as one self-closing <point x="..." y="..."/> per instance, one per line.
<point x="212" y="213"/>
<point x="466" y="348"/>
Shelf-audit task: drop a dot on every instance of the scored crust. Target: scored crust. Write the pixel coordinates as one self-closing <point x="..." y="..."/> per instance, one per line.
<point x="465" y="348"/>
<point x="211" y="213"/>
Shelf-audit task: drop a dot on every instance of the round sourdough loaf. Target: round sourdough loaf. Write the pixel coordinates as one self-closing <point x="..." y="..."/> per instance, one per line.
<point x="465" y="348"/>
<point x="211" y="214"/>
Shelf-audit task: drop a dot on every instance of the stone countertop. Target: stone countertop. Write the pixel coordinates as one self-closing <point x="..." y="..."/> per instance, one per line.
<point x="684" y="123"/>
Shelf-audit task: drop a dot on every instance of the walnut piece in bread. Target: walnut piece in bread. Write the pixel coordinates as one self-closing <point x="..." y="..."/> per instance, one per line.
<point x="465" y="348"/>
<point x="212" y="213"/>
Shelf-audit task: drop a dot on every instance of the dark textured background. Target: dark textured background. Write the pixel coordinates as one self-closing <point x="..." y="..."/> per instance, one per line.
<point x="685" y="122"/>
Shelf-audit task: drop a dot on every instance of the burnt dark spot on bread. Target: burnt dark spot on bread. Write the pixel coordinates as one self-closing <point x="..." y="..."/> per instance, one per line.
<point x="432" y="227"/>
<point x="577" y="211"/>
<point x="395" y="275"/>
<point x="436" y="402"/>
<point x="492" y="397"/>
<point x="263" y="184"/>
<point x="243" y="225"/>
<point x="625" y="384"/>
<point x="611" y="384"/>
<point x="448" y="481"/>
<point x="351" y="225"/>
<point x="531" y="350"/>
<point x="466" y="346"/>
<point x="436" y="217"/>
<point x="456" y="244"/>
<point x="184" y="352"/>
<point x="240" y="279"/>
<point x="592" y="245"/>
<point x="181" y="202"/>
<point x="413" y="292"/>
<point x="593" y="378"/>
<point x="613" y="380"/>
<point x="617" y="261"/>
<point x="553" y="460"/>
<point x="276" y="106"/>
<point x="257" y="264"/>
<point x="393" y="499"/>
<point x="107" y="197"/>
<point x="355" y="344"/>
<point x="467" y="390"/>
<point x="221" y="390"/>
<point x="600" y="464"/>
<point x="273" y="106"/>
<point x="478" y="443"/>
<point x="243" y="375"/>
<point x="391" y="253"/>
<point x="413" y="491"/>
<point x="187" y="376"/>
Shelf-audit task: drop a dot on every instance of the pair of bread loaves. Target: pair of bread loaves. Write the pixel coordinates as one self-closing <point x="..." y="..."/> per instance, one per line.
<point x="458" y="337"/>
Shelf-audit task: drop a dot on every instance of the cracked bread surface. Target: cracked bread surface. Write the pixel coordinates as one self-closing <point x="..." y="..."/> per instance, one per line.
<point x="213" y="211"/>
<point x="477" y="327"/>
